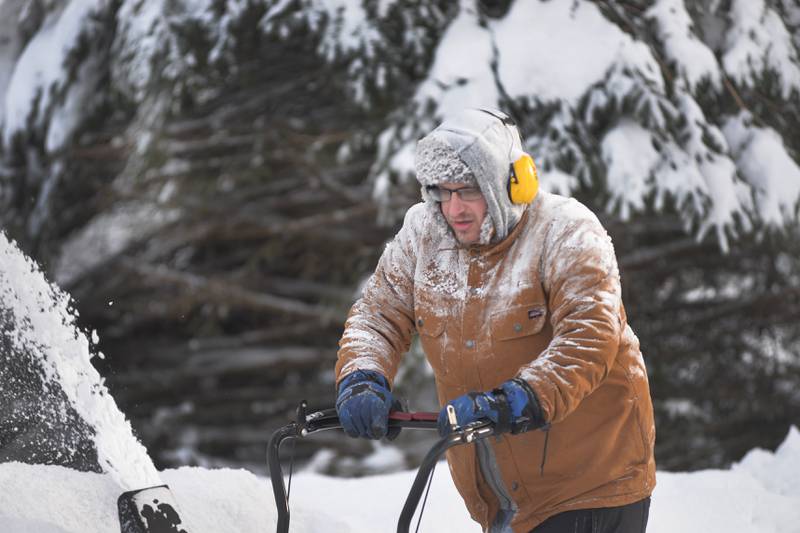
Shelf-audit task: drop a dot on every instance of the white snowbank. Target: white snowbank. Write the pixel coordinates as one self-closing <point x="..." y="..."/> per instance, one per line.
<point x="760" y="494"/>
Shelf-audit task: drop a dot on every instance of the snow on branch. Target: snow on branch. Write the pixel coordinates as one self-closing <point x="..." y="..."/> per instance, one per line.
<point x="380" y="44"/>
<point x="693" y="59"/>
<point x="47" y="88"/>
<point x="758" y="42"/>
<point x="223" y="293"/>
<point x="763" y="160"/>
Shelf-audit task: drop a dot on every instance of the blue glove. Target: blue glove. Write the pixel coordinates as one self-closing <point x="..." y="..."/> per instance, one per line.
<point x="513" y="407"/>
<point x="363" y="405"/>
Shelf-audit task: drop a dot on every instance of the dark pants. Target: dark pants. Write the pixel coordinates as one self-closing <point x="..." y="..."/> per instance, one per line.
<point x="631" y="518"/>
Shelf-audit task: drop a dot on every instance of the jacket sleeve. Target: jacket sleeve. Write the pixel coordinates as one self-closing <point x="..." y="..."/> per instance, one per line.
<point x="581" y="280"/>
<point x="380" y="324"/>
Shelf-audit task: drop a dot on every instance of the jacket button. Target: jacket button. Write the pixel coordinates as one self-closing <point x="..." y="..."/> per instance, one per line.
<point x="514" y="485"/>
<point x="470" y="344"/>
<point x="419" y="322"/>
<point x="517" y="327"/>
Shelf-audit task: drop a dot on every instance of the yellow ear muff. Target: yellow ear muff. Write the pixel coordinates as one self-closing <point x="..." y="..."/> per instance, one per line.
<point x="523" y="184"/>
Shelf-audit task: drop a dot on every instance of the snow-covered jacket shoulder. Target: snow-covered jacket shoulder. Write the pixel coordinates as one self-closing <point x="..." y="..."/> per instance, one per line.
<point x="380" y="324"/>
<point x="578" y="273"/>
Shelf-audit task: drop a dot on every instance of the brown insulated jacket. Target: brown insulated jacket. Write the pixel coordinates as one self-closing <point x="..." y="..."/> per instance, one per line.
<point x="544" y="305"/>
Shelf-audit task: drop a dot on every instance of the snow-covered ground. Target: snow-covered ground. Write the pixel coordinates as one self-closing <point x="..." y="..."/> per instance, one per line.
<point x="760" y="494"/>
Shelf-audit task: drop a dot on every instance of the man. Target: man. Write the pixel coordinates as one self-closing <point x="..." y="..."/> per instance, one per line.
<point x="516" y="299"/>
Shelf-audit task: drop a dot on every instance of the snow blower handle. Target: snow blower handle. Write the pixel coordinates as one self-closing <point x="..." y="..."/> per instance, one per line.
<point x="307" y="423"/>
<point x="418" y="420"/>
<point x="458" y="435"/>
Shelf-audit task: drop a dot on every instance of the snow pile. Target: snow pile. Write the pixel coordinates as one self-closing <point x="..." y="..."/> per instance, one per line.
<point x="757" y="495"/>
<point x="42" y="324"/>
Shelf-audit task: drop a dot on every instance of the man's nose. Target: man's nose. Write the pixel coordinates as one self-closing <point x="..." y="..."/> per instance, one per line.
<point x="456" y="204"/>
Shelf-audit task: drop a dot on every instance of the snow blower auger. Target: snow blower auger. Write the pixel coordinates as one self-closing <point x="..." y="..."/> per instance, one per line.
<point x="309" y="423"/>
<point x="150" y="510"/>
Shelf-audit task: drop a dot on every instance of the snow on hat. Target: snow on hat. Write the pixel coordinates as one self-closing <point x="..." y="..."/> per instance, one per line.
<point x="472" y="147"/>
<point x="436" y="162"/>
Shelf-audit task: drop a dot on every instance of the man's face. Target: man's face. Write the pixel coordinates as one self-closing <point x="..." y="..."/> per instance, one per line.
<point x="464" y="216"/>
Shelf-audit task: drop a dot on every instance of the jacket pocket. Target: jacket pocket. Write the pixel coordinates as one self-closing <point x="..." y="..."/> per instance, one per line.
<point x="522" y="314"/>
<point x="518" y="322"/>
<point x="517" y="337"/>
<point x="430" y="328"/>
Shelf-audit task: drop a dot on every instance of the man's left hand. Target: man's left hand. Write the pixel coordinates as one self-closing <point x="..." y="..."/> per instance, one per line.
<point x="513" y="407"/>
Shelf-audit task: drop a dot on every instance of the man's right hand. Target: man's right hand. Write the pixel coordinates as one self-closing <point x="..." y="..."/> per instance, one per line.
<point x="363" y="404"/>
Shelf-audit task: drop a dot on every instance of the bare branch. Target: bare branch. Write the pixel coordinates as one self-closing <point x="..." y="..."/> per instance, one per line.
<point x="229" y="294"/>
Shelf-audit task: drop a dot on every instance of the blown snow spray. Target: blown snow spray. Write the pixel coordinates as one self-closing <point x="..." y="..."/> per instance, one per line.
<point x="54" y="407"/>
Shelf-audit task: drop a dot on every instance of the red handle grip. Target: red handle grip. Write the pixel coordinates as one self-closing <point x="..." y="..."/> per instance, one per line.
<point x="418" y="416"/>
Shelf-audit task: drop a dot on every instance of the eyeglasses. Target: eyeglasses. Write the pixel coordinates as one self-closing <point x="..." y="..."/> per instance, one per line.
<point x="465" y="194"/>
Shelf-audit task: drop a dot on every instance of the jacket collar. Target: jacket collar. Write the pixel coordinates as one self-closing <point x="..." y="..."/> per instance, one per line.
<point x="502" y="246"/>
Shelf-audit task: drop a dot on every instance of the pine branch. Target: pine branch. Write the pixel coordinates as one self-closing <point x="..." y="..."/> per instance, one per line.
<point x="334" y="226"/>
<point x="307" y="288"/>
<point x="354" y="195"/>
<point x="734" y="93"/>
<point x="261" y="336"/>
<point x="317" y="223"/>
<point x="623" y="22"/>
<point x="221" y="292"/>
<point x="644" y="257"/>
<point x="751" y="306"/>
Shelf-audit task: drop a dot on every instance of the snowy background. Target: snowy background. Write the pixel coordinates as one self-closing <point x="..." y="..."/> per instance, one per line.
<point x="211" y="182"/>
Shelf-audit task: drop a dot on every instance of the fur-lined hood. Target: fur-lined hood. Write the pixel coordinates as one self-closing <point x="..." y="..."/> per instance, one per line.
<point x="475" y="147"/>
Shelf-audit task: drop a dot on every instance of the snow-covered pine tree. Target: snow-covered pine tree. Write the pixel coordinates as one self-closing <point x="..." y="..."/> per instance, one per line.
<point x="676" y="120"/>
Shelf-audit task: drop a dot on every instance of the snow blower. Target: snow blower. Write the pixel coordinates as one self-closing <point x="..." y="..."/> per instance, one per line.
<point x="309" y="423"/>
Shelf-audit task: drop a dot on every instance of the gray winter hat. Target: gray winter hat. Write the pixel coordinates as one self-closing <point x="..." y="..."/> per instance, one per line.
<point x="475" y="146"/>
<point x="436" y="162"/>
